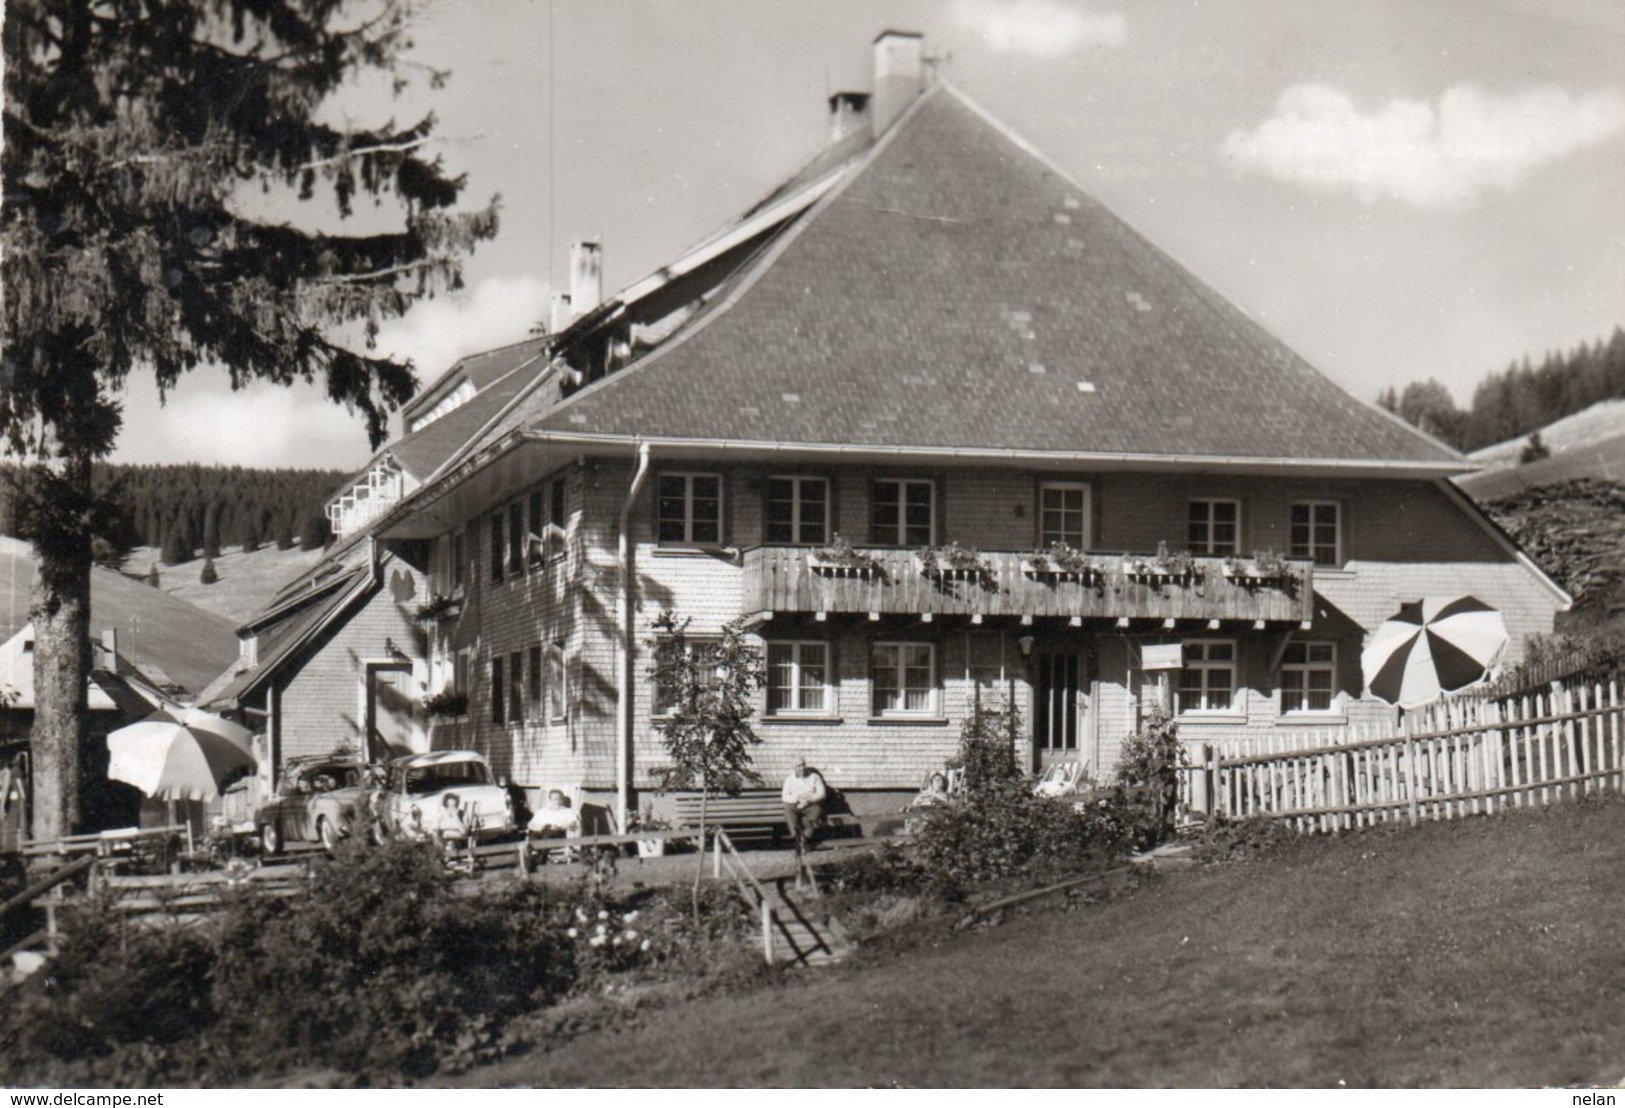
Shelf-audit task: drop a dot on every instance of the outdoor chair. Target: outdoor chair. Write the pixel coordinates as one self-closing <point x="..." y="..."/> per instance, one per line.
<point x="549" y="823"/>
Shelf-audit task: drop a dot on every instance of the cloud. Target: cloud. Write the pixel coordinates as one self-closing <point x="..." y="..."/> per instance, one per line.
<point x="265" y="425"/>
<point x="1443" y="156"/>
<point x="262" y="425"/>
<point x="493" y="312"/>
<point x="1040" y="28"/>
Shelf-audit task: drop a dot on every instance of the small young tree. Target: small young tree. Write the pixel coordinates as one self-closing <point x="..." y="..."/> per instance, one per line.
<point x="152" y="575"/>
<point x="987" y="747"/>
<point x="708" y="687"/>
<point x="209" y="576"/>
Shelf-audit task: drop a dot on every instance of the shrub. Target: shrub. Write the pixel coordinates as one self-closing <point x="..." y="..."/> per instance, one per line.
<point x="1146" y="795"/>
<point x="1242" y="840"/>
<point x="987" y="747"/>
<point x="209" y="575"/>
<point x="1002" y="831"/>
<point x="381" y="968"/>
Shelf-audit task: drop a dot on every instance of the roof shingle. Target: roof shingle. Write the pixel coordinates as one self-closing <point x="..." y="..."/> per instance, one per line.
<point x="958" y="292"/>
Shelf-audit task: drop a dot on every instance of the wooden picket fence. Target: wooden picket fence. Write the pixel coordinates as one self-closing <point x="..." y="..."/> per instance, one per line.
<point x="1467" y="756"/>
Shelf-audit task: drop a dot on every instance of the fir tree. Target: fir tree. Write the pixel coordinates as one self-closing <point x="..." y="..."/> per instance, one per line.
<point x="211" y="530"/>
<point x="208" y="576"/>
<point x="152" y="575"/>
<point x="132" y="132"/>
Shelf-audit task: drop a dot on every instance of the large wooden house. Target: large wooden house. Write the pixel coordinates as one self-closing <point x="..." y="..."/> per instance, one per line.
<point x="854" y="419"/>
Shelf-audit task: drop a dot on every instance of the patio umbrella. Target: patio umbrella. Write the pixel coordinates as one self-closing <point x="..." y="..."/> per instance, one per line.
<point x="1432" y="647"/>
<point x="179" y="754"/>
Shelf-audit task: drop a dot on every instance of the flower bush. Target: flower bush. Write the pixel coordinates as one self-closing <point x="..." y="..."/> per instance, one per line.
<point x="382" y="968"/>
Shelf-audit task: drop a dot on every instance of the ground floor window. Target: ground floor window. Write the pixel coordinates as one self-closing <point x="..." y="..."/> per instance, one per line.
<point x="499" y="703"/>
<point x="1308" y="677"/>
<point x="904" y="678"/>
<point x="555" y="683"/>
<point x="1207" y="682"/>
<point x="797" y="677"/>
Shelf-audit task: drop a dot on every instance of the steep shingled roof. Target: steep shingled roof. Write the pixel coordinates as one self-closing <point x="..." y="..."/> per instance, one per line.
<point x="154" y="628"/>
<point x="959" y="292"/>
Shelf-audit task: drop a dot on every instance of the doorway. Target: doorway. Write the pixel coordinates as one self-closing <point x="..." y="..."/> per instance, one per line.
<point x="394" y="723"/>
<point x="1058" y="706"/>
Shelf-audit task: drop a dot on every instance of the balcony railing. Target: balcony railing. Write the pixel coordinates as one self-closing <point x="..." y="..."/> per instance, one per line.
<point x="1110" y="586"/>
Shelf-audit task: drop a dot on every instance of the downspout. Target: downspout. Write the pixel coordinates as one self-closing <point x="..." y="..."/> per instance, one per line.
<point x="623" y="701"/>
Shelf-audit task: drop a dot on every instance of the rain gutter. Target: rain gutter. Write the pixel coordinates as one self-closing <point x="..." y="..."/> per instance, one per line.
<point x="623" y="699"/>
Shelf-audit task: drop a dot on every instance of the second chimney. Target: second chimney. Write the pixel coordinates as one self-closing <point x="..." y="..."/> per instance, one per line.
<point x="559" y="316"/>
<point x="899" y="75"/>
<point x="847" y="113"/>
<point x="586" y="276"/>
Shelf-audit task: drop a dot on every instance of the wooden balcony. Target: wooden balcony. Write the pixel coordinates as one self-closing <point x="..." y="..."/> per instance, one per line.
<point x="1112" y="587"/>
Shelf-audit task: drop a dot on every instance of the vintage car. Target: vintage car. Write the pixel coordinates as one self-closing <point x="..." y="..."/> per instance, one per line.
<point x="413" y="802"/>
<point x="318" y="800"/>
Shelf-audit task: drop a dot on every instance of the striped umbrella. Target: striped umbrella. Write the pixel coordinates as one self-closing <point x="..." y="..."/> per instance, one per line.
<point x="1432" y="647"/>
<point x="179" y="755"/>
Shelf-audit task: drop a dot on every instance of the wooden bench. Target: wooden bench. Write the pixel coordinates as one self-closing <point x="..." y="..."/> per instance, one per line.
<point x="760" y="811"/>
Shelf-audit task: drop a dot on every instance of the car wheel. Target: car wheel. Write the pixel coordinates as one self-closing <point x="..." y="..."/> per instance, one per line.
<point x="270" y="839"/>
<point x="328" y="834"/>
<point x="380" y="833"/>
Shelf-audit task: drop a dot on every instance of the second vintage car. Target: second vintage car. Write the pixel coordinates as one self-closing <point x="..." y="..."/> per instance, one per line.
<point x="413" y="802"/>
<point x="319" y="800"/>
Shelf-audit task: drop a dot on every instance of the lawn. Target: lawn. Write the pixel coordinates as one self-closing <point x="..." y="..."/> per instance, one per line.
<point x="1486" y="952"/>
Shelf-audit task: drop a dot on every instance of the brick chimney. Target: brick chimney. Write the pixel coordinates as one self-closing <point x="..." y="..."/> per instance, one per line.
<point x="848" y="112"/>
<point x="559" y="314"/>
<point x="586" y="276"/>
<point x="899" y="75"/>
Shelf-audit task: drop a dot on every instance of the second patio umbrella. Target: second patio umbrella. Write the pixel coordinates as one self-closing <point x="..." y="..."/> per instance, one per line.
<point x="1432" y="647"/>
<point x="179" y="754"/>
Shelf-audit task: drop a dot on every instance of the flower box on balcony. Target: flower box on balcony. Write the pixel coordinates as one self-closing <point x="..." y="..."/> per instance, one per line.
<point x="952" y="563"/>
<point x="839" y="557"/>
<point x="438" y="608"/>
<point x="1265" y="568"/>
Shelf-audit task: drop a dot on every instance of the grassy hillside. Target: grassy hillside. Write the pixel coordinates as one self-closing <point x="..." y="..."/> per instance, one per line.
<point x="190" y="643"/>
<point x="246" y="581"/>
<point x="1481" y="952"/>
<point x="1602" y="458"/>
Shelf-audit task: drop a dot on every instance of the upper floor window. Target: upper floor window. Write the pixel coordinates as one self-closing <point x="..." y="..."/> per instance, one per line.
<point x="516" y="537"/>
<point x="797" y="510"/>
<point x="1063" y="514"/>
<point x="1215" y="527"/>
<point x="458" y="556"/>
<point x="499" y="701"/>
<point x="797" y="677"/>
<point x="1207" y="683"/>
<point x="537" y="548"/>
<point x="904" y="677"/>
<point x="689" y="508"/>
<point x="496" y="546"/>
<point x="1308" y="677"/>
<point x="1317" y="531"/>
<point x="902" y="512"/>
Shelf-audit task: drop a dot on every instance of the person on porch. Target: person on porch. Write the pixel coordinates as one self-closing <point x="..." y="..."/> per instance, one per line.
<point x="803" y="796"/>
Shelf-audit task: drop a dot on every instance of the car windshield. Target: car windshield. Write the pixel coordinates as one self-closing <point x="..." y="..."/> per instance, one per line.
<point x="428" y="779"/>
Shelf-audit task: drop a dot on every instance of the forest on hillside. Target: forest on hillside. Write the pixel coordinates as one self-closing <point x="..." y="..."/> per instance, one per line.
<point x="187" y="511"/>
<point x="1520" y="399"/>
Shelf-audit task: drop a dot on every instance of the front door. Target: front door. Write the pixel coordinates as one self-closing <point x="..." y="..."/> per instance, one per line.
<point x="394" y="723"/>
<point x="1057" y="708"/>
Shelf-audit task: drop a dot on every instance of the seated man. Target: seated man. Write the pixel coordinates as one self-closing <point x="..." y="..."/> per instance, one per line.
<point x="803" y="797"/>
<point x="555" y="819"/>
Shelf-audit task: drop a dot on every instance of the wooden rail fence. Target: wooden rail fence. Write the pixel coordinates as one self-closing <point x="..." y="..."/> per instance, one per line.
<point x="1463" y="757"/>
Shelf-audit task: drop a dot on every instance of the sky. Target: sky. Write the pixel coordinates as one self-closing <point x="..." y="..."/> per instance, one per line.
<point x="1398" y="189"/>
